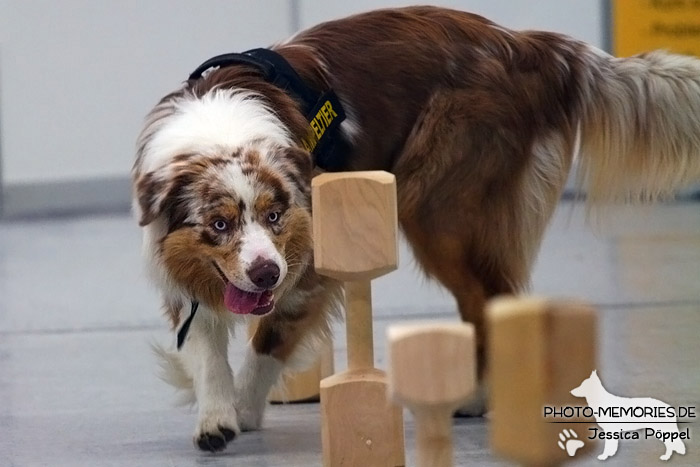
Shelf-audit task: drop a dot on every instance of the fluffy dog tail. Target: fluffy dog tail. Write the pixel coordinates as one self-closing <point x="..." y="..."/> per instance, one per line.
<point x="174" y="373"/>
<point x="640" y="132"/>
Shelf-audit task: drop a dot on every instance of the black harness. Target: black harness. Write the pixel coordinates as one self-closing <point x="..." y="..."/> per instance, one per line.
<point x="323" y="111"/>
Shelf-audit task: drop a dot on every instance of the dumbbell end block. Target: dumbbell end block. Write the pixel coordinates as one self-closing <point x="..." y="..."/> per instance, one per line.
<point x="539" y="350"/>
<point x="359" y="426"/>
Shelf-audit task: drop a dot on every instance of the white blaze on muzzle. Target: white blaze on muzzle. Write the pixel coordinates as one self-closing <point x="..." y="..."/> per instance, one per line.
<point x="256" y="247"/>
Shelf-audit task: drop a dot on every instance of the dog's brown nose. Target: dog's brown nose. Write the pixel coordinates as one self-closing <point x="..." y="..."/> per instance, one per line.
<point x="264" y="274"/>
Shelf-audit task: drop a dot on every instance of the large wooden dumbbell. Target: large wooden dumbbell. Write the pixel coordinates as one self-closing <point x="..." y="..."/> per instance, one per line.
<point x="355" y="241"/>
<point x="539" y="351"/>
<point x="432" y="371"/>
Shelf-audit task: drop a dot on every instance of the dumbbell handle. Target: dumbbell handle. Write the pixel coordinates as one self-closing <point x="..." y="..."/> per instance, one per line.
<point x="433" y="437"/>
<point x="358" y="318"/>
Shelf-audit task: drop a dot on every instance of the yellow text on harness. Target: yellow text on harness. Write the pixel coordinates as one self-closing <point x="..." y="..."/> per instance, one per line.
<point x="319" y="124"/>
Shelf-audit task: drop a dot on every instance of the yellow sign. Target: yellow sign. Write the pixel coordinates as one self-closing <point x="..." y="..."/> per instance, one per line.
<point x="644" y="25"/>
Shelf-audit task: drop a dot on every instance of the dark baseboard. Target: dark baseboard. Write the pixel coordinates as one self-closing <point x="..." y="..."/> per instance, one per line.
<point x="66" y="198"/>
<point x="113" y="195"/>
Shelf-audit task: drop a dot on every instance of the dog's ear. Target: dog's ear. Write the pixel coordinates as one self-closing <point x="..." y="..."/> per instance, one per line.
<point x="298" y="167"/>
<point x="299" y="161"/>
<point x="150" y="192"/>
<point x="163" y="188"/>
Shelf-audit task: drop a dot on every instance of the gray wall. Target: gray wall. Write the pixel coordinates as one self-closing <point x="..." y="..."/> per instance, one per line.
<point x="578" y="18"/>
<point x="77" y="76"/>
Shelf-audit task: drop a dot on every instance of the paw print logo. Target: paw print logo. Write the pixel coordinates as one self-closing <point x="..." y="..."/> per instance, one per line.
<point x="569" y="442"/>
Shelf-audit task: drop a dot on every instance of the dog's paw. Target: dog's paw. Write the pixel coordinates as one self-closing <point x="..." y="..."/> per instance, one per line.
<point x="216" y="429"/>
<point x="215" y="440"/>
<point x="250" y="418"/>
<point x="569" y="442"/>
<point x="251" y="402"/>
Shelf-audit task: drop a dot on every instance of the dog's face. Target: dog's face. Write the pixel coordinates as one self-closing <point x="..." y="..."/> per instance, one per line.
<point x="231" y="224"/>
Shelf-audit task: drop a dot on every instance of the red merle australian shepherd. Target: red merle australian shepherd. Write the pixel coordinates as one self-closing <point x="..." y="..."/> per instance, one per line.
<point x="480" y="125"/>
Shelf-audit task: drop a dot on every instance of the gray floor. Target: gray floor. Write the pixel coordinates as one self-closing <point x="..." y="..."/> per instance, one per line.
<point x="78" y="383"/>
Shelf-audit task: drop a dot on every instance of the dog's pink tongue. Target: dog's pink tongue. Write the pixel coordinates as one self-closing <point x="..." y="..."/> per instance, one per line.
<point x="239" y="301"/>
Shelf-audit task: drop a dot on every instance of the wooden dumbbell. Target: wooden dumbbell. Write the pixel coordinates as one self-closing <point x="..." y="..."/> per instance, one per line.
<point x="355" y="241"/>
<point x="432" y="371"/>
<point x="539" y="351"/>
<point x="304" y="385"/>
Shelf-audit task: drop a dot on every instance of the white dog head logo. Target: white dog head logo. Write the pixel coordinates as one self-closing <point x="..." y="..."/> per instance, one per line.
<point x="617" y="418"/>
<point x="589" y="387"/>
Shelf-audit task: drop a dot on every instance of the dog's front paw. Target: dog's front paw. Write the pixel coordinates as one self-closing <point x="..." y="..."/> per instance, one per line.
<point x="250" y="418"/>
<point x="215" y="429"/>
<point x="253" y="382"/>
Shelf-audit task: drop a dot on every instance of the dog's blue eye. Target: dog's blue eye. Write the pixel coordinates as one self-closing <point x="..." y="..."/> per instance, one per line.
<point x="273" y="217"/>
<point x="220" y="225"/>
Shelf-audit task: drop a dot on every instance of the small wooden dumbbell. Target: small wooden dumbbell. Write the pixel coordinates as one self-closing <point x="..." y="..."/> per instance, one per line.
<point x="355" y="240"/>
<point x="432" y="371"/>
<point x="539" y="351"/>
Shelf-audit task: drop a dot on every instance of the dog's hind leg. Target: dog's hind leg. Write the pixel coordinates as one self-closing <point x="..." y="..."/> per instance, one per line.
<point x="450" y="267"/>
<point x="460" y="189"/>
<point x="446" y="258"/>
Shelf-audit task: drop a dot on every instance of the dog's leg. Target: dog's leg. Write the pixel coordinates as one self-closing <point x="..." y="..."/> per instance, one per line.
<point x="463" y="204"/>
<point x="204" y="357"/>
<point x="259" y="372"/>
<point x="609" y="450"/>
<point x="448" y="266"/>
<point x="278" y="341"/>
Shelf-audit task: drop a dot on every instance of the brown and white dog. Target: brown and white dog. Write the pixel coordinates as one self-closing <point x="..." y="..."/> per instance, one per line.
<point x="479" y="124"/>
